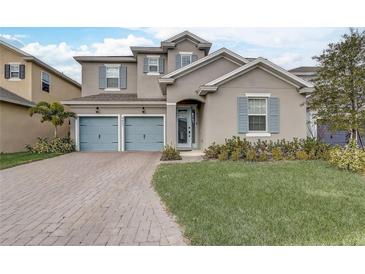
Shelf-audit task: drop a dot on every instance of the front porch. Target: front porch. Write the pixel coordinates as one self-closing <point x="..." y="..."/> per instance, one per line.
<point x="184" y="125"/>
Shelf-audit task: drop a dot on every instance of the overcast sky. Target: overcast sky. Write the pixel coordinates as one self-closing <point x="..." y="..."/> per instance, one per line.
<point x="287" y="47"/>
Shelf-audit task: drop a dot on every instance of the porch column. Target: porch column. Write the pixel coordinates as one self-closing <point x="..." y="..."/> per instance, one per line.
<point x="171" y="124"/>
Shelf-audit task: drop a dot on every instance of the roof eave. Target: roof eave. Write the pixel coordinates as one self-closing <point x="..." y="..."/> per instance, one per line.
<point x="204" y="90"/>
<point x="71" y="103"/>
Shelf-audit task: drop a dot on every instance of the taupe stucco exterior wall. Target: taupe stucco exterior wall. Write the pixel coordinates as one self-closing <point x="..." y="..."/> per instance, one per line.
<point x="19" y="129"/>
<point x="184" y="46"/>
<point x="21" y="87"/>
<point x="185" y="86"/>
<point x="220" y="110"/>
<point x="59" y="88"/>
<point x="90" y="78"/>
<point x="147" y="85"/>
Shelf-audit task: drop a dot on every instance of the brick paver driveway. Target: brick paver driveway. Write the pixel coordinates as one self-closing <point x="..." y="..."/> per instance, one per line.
<point x="85" y="199"/>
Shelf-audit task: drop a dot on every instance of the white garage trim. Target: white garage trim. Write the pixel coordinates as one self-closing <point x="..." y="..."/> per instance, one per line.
<point x="77" y="124"/>
<point x="142" y="115"/>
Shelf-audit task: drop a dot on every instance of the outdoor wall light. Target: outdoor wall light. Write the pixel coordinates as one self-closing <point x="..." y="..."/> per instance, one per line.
<point x="97" y="110"/>
<point x="143" y="110"/>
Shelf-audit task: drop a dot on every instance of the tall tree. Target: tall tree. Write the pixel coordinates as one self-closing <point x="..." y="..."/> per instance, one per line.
<point x="339" y="96"/>
<point x="54" y="113"/>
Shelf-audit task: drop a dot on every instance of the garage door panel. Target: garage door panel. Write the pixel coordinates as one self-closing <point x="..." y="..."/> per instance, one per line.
<point x="98" y="134"/>
<point x="138" y="146"/>
<point x="144" y="121"/>
<point x="142" y="138"/>
<point x="98" y="147"/>
<point x="144" y="133"/>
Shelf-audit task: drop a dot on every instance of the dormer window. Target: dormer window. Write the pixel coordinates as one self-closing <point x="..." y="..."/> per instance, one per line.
<point x="186" y="59"/>
<point x="153" y="64"/>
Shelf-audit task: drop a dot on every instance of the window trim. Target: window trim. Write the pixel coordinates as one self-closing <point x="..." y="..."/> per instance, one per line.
<point x="106" y="77"/>
<point x="183" y="54"/>
<point x="14" y="78"/>
<point x="258" y="132"/>
<point x="157" y="57"/>
<point x="49" y="76"/>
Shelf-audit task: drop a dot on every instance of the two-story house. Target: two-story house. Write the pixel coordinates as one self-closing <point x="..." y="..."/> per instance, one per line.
<point x="25" y="81"/>
<point x="182" y="95"/>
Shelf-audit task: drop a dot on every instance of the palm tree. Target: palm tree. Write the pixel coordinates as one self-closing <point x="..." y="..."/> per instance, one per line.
<point x="54" y="113"/>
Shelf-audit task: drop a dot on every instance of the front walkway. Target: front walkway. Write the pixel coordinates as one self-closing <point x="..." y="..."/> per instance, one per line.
<point x="85" y="199"/>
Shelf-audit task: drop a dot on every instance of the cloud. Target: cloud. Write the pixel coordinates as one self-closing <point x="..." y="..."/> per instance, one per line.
<point x="288" y="59"/>
<point x="13" y="38"/>
<point x="61" y="55"/>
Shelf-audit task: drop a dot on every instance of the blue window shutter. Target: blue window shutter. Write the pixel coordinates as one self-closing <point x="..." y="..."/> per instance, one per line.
<point x="242" y="112"/>
<point x="194" y="57"/>
<point x="178" y="61"/>
<point x="123" y="77"/>
<point x="22" y="71"/>
<point x="161" y="64"/>
<point x="274" y="114"/>
<point x="102" y="77"/>
<point x="145" y="65"/>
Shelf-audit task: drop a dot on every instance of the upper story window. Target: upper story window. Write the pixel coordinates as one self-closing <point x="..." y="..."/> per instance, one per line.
<point x="45" y="81"/>
<point x="186" y="59"/>
<point x="112" y="76"/>
<point x="153" y="64"/>
<point x="257" y="114"/>
<point x="14" y="71"/>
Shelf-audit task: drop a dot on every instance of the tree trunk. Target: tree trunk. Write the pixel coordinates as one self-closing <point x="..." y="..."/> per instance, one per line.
<point x="353" y="134"/>
<point x="55" y="131"/>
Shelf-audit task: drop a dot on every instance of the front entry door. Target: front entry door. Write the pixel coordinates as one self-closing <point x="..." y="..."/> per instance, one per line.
<point x="184" y="127"/>
<point x="185" y="120"/>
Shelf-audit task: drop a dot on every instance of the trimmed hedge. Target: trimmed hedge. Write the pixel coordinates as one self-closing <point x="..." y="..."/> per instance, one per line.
<point x="236" y="149"/>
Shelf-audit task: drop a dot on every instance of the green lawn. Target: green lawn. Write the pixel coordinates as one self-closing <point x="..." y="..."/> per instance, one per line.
<point x="14" y="159"/>
<point x="275" y="203"/>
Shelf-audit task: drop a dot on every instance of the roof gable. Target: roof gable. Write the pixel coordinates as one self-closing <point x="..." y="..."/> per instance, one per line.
<point x="184" y="35"/>
<point x="223" y="52"/>
<point x="302" y="85"/>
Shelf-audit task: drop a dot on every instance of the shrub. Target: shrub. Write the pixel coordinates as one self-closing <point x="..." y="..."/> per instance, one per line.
<point x="55" y="145"/>
<point x="301" y="155"/>
<point x="350" y="158"/>
<point x="236" y="154"/>
<point x="223" y="156"/>
<point x="251" y="155"/>
<point x="306" y="149"/>
<point x="277" y="154"/>
<point x="212" y="151"/>
<point x="170" y="153"/>
<point x="263" y="157"/>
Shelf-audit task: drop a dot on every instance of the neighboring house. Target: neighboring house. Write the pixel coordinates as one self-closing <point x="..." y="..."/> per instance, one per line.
<point x="25" y="81"/>
<point x="321" y="131"/>
<point x="179" y="94"/>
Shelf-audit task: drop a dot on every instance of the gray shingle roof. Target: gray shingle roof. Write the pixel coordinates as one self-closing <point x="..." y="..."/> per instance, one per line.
<point x="307" y="69"/>
<point x="128" y="59"/>
<point x="10" y="97"/>
<point x="116" y="97"/>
